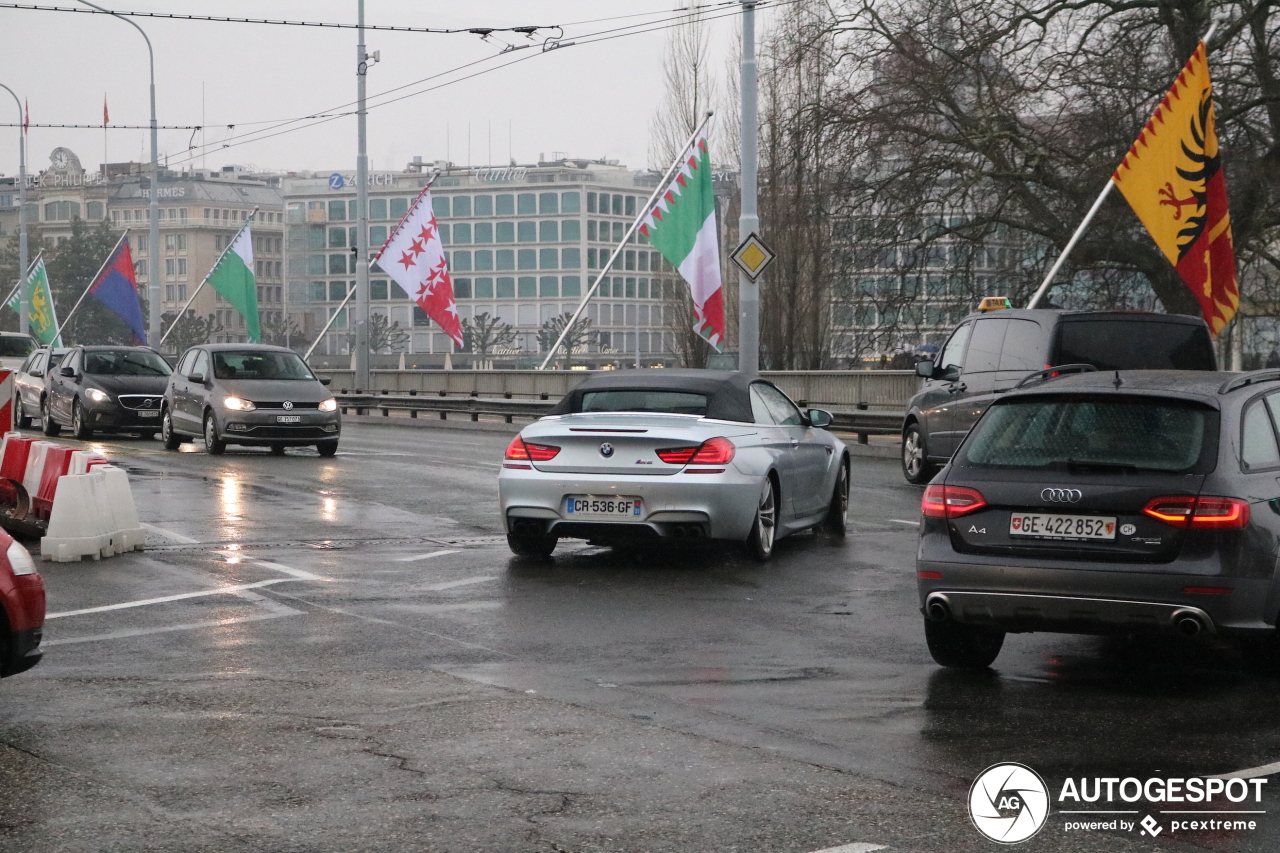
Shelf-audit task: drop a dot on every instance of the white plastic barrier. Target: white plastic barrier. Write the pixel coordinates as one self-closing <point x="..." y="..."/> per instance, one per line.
<point x="80" y="524"/>
<point x="81" y="460"/>
<point x="127" y="533"/>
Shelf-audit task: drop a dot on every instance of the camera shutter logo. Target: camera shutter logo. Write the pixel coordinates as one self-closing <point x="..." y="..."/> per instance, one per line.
<point x="1008" y="803"/>
<point x="1061" y="496"/>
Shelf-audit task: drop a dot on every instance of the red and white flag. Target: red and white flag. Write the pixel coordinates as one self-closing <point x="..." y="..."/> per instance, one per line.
<point x="414" y="257"/>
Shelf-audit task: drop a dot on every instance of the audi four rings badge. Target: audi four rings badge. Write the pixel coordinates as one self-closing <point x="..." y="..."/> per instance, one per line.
<point x="606" y="450"/>
<point x="1061" y="496"/>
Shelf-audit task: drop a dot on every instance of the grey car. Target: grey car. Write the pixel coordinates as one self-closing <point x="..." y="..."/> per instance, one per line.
<point x="645" y="455"/>
<point x="248" y="394"/>
<point x="1109" y="502"/>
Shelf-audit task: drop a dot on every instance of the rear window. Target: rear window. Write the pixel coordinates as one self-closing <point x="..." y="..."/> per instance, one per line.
<point x="1105" y="433"/>
<point x="16" y="346"/>
<point x="665" y="402"/>
<point x="1117" y="344"/>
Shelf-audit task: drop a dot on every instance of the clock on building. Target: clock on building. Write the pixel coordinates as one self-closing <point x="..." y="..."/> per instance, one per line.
<point x="64" y="160"/>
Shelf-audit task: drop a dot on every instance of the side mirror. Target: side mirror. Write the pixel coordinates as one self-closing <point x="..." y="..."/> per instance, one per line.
<point x="67" y="371"/>
<point x="819" y="418"/>
<point x="197" y="378"/>
<point x="925" y="369"/>
<point x="325" y="380"/>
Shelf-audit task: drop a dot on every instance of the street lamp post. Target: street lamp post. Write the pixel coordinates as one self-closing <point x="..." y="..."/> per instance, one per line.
<point x="748" y="221"/>
<point x="23" y="323"/>
<point x="153" y="239"/>
<point x="362" y="215"/>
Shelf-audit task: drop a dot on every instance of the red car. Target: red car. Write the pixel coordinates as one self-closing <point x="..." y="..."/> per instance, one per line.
<point x="21" y="609"/>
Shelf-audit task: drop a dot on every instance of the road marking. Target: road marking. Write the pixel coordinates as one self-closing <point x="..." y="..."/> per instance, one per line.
<point x="169" y="534"/>
<point x="1252" y="772"/>
<point x="289" y="570"/>
<point x="189" y="626"/>
<point x="436" y="587"/>
<point x="896" y="521"/>
<point x="417" y="557"/>
<point x="856" y="847"/>
<point x="125" y="605"/>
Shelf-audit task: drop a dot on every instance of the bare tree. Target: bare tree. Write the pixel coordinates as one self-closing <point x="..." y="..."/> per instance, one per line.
<point x="483" y="334"/>
<point x="190" y="330"/>
<point x="577" y="339"/>
<point x="278" y="329"/>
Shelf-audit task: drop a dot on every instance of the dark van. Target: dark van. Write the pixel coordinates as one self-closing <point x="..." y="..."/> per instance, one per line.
<point x="992" y="351"/>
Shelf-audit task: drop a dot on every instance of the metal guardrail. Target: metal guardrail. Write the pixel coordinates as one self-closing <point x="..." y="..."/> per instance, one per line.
<point x="862" y="422"/>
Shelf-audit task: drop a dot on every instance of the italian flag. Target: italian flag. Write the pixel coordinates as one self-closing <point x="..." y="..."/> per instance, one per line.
<point x="233" y="277"/>
<point x="682" y="226"/>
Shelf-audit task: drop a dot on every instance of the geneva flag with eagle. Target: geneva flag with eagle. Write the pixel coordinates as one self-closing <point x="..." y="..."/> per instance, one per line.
<point x="1172" y="178"/>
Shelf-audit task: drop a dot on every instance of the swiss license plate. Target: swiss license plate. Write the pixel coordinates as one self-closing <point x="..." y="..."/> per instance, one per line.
<point x="617" y="507"/>
<point x="288" y="419"/>
<point x="1053" y="526"/>
<point x="148" y="414"/>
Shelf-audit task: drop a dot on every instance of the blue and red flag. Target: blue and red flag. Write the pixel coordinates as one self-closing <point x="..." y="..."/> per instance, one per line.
<point x="117" y="289"/>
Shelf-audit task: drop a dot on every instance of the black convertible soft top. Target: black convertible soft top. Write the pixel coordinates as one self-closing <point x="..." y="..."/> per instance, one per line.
<point x="728" y="395"/>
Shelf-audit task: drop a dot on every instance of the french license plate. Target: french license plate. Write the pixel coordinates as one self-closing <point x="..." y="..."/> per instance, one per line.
<point x="148" y="414"/>
<point x="288" y="419"/>
<point x="603" y="506"/>
<point x="1052" y="526"/>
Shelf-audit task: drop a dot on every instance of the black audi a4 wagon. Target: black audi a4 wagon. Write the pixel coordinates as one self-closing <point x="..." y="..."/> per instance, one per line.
<point x="1107" y="502"/>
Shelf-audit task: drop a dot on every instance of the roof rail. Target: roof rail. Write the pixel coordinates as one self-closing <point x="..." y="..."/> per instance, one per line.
<point x="1268" y="375"/>
<point x="1052" y="372"/>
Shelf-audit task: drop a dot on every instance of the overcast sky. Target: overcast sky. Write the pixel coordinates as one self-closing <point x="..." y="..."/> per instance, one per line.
<point x="586" y="100"/>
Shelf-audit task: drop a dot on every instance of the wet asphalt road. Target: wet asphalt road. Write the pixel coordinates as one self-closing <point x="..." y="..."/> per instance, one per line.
<point x="332" y="655"/>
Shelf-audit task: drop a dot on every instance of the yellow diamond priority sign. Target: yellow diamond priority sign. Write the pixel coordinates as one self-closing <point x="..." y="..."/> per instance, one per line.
<point x="753" y="256"/>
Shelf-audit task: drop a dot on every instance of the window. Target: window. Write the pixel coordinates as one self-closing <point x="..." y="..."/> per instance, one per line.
<point x="548" y="203"/>
<point x="483" y="286"/>
<point x="642" y="261"/>
<point x="315" y="265"/>
<point x="398" y="207"/>
<point x="506" y="205"/>
<point x="571" y="285"/>
<point x="182" y="266"/>
<point x="984" y="346"/>
<point x="526" y="203"/>
<point x="462" y="261"/>
<point x="337" y="211"/>
<point x="527" y="287"/>
<point x="527" y="259"/>
<point x="61" y="211"/>
<point x="549" y="285"/>
<point x="484" y="205"/>
<point x="1023" y="348"/>
<point x="1258" y="439"/>
<point x="616" y="204"/>
<point x="337" y="238"/>
<point x="484" y="231"/>
<point x="548" y="231"/>
<point x="570" y="258"/>
<point x="377" y="236"/>
<point x="618" y="230"/>
<point x="631" y="288"/>
<point x="440" y="205"/>
<point x="592" y="263"/>
<point x="570" y="230"/>
<point x="506" y="232"/>
<point x="337" y="291"/>
<point x="315" y="238"/>
<point x="591" y="229"/>
<point x="351" y="237"/>
<point x="528" y="232"/>
<point x="630" y="204"/>
<point x="484" y="260"/>
<point x="444" y="232"/>
<point x="570" y="202"/>
<point x="377" y="208"/>
<point x="462" y="232"/>
<point x="169" y="267"/>
<point x="337" y="264"/>
<point x="462" y="288"/>
<point x="630" y="260"/>
<point x="168" y="293"/>
<point x="781" y="411"/>
<point x="506" y="259"/>
<point x="642" y="288"/>
<point x="506" y="287"/>
<point x="94" y="210"/>
<point x="462" y="205"/>
<point x="952" y="355"/>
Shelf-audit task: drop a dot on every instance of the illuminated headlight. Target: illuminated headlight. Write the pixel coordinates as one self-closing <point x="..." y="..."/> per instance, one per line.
<point x="19" y="560"/>
<point x="97" y="396"/>
<point x="235" y="404"/>
<point x="330" y="405"/>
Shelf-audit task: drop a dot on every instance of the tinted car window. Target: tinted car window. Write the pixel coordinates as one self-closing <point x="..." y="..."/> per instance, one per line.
<point x="259" y="365"/>
<point x="952" y="354"/>
<point x="1140" y="433"/>
<point x="1258" y="439"/>
<point x="667" y="402"/>
<point x="780" y="408"/>
<point x="15" y="346"/>
<point x="1024" y="346"/>
<point x="74" y="361"/>
<point x="125" y="363"/>
<point x="1119" y="344"/>
<point x="984" y="346"/>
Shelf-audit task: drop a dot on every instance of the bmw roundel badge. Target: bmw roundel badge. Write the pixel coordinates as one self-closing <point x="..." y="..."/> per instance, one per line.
<point x="606" y="450"/>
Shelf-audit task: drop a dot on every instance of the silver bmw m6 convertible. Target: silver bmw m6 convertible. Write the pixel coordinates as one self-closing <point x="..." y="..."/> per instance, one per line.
<point x="673" y="454"/>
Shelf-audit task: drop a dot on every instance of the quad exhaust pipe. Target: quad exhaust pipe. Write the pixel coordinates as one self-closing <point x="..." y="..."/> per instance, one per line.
<point x="686" y="531"/>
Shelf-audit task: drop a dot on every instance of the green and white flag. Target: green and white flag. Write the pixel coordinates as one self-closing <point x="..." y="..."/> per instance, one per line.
<point x="682" y="226"/>
<point x="41" y="319"/>
<point x="233" y="277"/>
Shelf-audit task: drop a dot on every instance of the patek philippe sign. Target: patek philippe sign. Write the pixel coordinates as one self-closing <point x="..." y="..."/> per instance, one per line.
<point x="64" y="171"/>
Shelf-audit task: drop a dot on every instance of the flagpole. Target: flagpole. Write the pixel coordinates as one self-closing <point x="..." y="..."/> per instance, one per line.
<point x="26" y="275"/>
<point x="1097" y="204"/>
<point x="644" y="211"/>
<point x="332" y="317"/>
<point x="92" y="281"/>
<point x="200" y="286"/>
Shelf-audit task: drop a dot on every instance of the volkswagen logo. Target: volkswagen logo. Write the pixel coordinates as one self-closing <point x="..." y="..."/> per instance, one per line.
<point x="1061" y="496"/>
<point x="288" y="405"/>
<point x="606" y="450"/>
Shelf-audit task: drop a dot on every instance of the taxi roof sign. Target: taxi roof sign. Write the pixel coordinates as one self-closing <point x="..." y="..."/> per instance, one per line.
<point x="994" y="303"/>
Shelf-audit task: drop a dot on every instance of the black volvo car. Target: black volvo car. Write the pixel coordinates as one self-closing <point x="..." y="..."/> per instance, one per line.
<point x="1107" y="502"/>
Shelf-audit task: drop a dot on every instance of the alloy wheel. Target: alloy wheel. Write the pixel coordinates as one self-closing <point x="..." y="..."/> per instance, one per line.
<point x="912" y="454"/>
<point x="766" y="518"/>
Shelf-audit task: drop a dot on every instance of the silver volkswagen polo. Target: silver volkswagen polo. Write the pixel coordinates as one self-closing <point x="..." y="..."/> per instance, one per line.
<point x="673" y="454"/>
<point x="248" y="394"/>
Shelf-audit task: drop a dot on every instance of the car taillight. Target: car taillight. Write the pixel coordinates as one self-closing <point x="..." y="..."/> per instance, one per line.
<point x="525" y="451"/>
<point x="1199" y="513"/>
<point x="713" y="451"/>
<point x="950" y="501"/>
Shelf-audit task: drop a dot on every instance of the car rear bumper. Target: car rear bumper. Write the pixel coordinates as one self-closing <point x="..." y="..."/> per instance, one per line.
<point x="1015" y="598"/>
<point x="715" y="506"/>
<point x="23" y="652"/>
